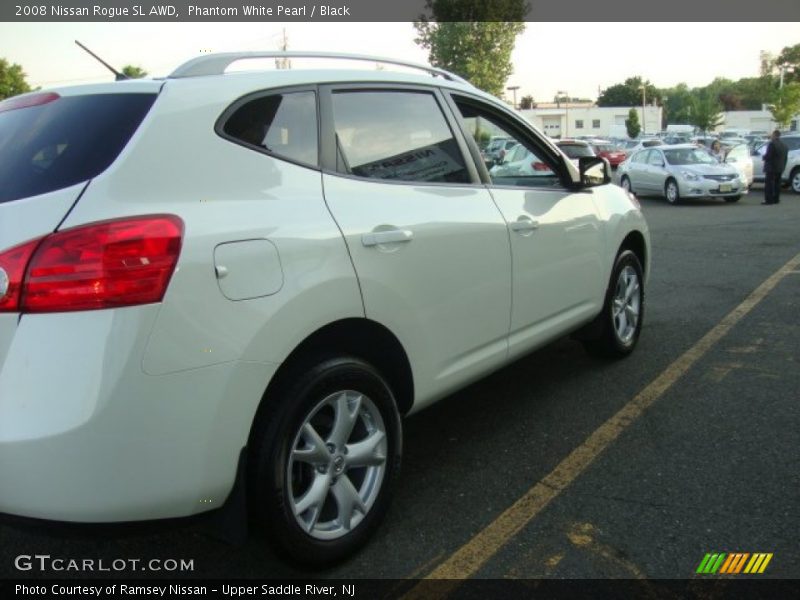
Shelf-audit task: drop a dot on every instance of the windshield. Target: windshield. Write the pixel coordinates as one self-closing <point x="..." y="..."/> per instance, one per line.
<point x="689" y="156"/>
<point x="64" y="140"/>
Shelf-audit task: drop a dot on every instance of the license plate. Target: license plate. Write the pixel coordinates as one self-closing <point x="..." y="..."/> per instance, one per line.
<point x="725" y="187"/>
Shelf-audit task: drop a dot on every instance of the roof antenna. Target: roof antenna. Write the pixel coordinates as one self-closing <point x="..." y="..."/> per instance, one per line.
<point x="117" y="75"/>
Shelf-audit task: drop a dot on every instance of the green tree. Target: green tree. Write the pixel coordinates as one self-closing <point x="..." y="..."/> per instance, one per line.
<point x="629" y="93"/>
<point x="632" y="123"/>
<point x="789" y="60"/>
<point x="527" y="102"/>
<point x="473" y="38"/>
<point x="12" y="80"/>
<point x="677" y="104"/>
<point x="133" y="72"/>
<point x="706" y="112"/>
<point x="787" y="104"/>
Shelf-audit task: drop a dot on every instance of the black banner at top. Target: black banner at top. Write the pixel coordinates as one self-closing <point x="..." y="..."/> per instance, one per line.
<point x="396" y="10"/>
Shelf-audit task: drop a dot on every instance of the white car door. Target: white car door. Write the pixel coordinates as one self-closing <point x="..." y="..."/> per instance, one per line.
<point x="429" y="246"/>
<point x="557" y="241"/>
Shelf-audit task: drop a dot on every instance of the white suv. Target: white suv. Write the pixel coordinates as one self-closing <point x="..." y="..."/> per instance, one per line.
<point x="220" y="283"/>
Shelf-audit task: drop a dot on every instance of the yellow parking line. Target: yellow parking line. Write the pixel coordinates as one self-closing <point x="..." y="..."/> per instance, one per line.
<point x="468" y="559"/>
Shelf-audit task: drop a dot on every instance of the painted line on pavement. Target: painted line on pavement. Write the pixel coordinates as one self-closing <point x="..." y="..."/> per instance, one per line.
<point x="469" y="558"/>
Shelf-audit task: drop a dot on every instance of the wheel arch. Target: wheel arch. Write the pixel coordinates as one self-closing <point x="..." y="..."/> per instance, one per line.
<point x="358" y="337"/>
<point x="635" y="242"/>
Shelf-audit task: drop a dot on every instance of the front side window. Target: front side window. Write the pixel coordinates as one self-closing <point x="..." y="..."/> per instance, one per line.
<point x="280" y="124"/>
<point x="655" y="159"/>
<point x="394" y="135"/>
<point x="521" y="165"/>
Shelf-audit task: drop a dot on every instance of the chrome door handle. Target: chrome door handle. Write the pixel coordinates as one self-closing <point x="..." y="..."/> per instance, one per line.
<point x="523" y="225"/>
<point x="392" y="236"/>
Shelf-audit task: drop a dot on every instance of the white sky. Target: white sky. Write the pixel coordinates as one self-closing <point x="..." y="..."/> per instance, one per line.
<point x="575" y="57"/>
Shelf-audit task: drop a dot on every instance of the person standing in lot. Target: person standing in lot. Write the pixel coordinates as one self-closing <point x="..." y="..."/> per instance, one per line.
<point x="717" y="151"/>
<point x="774" y="163"/>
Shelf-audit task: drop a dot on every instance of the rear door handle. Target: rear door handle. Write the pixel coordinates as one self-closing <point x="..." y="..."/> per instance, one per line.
<point x="393" y="236"/>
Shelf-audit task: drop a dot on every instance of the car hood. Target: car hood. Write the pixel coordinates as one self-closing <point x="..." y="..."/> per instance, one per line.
<point x="719" y="169"/>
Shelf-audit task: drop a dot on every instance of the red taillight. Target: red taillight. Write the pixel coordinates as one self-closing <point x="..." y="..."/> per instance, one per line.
<point x="102" y="265"/>
<point x="12" y="271"/>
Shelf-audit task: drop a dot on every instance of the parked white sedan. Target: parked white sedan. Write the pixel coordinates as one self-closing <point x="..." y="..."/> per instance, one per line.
<point x="791" y="174"/>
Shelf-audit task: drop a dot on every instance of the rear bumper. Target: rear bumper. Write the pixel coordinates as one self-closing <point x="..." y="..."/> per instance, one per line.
<point x="87" y="436"/>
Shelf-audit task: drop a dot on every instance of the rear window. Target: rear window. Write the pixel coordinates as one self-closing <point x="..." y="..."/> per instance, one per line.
<point x="65" y="141"/>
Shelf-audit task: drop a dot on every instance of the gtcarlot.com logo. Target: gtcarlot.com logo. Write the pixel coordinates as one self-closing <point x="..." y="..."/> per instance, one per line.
<point x="46" y="563"/>
<point x="734" y="563"/>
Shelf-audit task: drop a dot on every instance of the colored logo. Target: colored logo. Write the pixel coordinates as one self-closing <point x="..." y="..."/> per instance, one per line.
<point x="734" y="563"/>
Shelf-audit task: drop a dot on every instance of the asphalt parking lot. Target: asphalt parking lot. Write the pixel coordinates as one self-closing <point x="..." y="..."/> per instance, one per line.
<point x="566" y="466"/>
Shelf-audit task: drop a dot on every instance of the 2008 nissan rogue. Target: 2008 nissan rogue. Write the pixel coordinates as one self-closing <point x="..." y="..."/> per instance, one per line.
<point x="242" y="280"/>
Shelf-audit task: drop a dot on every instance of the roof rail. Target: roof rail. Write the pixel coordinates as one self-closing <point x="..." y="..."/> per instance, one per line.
<point x="215" y="64"/>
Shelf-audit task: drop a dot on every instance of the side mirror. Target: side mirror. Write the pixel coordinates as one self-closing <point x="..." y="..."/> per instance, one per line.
<point x="594" y="170"/>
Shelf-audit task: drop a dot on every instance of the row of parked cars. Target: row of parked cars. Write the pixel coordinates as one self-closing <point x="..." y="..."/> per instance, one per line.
<point x="677" y="167"/>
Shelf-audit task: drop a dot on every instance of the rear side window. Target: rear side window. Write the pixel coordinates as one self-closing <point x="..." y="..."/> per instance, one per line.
<point x="280" y="124"/>
<point x="401" y="136"/>
<point x="59" y="143"/>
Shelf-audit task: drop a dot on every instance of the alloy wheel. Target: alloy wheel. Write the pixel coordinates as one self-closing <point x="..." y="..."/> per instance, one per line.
<point x="337" y="464"/>
<point x="626" y="304"/>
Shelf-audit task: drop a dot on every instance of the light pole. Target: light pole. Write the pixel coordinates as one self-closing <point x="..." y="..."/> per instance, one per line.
<point x="566" y="118"/>
<point x="783" y="69"/>
<point x="513" y="89"/>
<point x="644" y="116"/>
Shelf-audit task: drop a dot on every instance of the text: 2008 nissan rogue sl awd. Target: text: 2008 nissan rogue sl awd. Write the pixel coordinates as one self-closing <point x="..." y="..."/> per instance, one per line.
<point x="222" y="282"/>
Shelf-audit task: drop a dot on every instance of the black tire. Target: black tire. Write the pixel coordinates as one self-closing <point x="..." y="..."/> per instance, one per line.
<point x="731" y="199"/>
<point x="280" y="481"/>
<point x="794" y="180"/>
<point x="625" y="184"/>
<point x="609" y="341"/>
<point x="672" y="191"/>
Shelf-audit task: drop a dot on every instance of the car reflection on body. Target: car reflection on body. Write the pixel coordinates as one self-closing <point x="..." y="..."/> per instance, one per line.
<point x="680" y="172"/>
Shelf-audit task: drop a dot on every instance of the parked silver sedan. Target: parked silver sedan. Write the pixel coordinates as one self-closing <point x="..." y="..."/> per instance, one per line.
<point x="680" y="172"/>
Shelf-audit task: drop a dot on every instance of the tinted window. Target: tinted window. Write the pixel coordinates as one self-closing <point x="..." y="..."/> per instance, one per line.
<point x="792" y="143"/>
<point x="281" y="124"/>
<point x="576" y="150"/>
<point x="399" y="136"/>
<point x="66" y="141"/>
<point x="523" y="166"/>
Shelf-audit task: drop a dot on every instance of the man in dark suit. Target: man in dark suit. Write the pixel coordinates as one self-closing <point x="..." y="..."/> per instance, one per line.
<point x="774" y="163"/>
